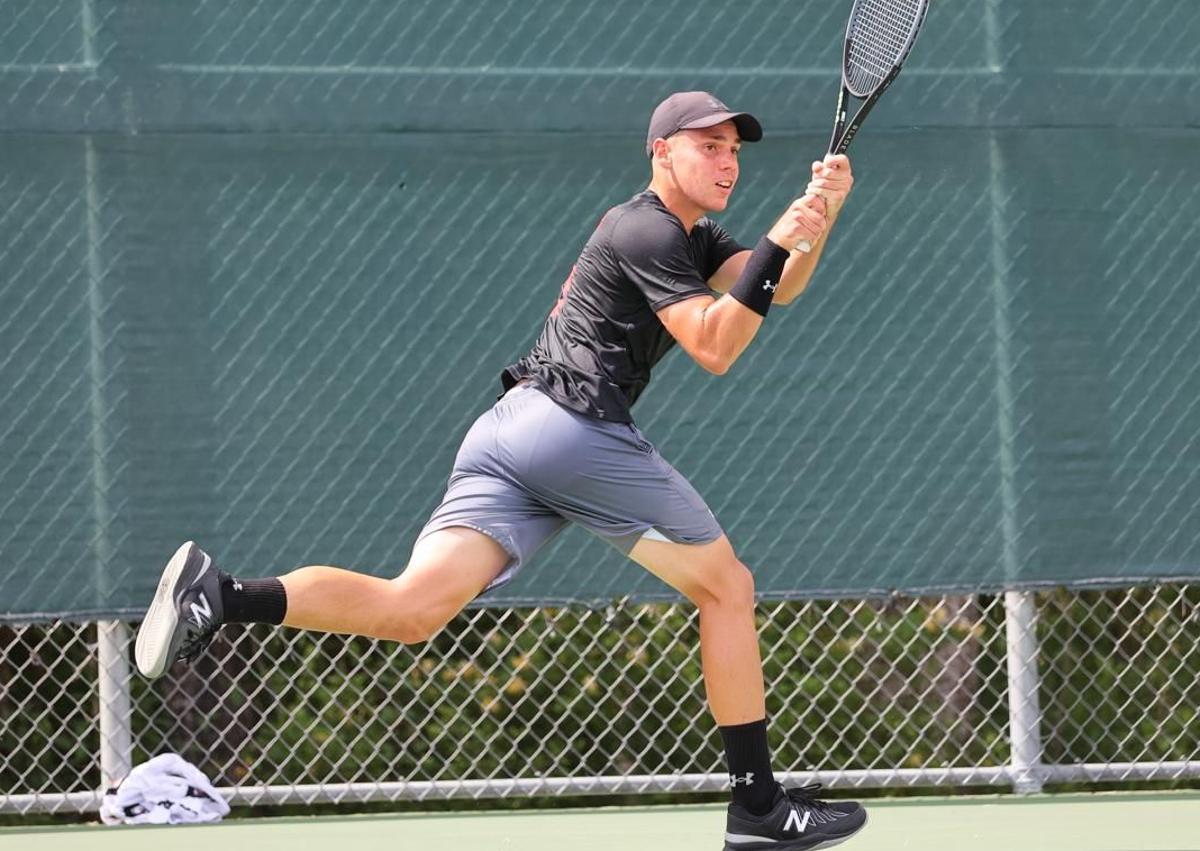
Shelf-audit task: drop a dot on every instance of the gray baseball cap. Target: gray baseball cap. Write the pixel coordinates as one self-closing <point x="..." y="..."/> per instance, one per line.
<point x="693" y="110"/>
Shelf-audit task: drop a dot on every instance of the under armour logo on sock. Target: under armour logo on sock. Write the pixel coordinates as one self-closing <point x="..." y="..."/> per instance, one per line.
<point x="748" y="780"/>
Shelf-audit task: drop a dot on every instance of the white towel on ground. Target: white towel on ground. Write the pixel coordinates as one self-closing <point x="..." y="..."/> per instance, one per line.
<point x="166" y="790"/>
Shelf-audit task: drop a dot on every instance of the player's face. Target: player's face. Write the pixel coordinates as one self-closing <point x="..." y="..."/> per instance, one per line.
<point x="705" y="164"/>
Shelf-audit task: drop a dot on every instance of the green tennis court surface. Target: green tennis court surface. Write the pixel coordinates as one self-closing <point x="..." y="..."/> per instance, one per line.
<point x="1103" y="822"/>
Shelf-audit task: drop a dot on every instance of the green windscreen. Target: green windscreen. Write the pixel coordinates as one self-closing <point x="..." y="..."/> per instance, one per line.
<point x="262" y="267"/>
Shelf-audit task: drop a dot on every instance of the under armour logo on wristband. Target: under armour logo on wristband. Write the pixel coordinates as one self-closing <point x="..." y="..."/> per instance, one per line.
<point x="748" y="780"/>
<point x="769" y="287"/>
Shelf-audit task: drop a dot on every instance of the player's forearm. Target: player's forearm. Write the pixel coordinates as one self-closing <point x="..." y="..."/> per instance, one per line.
<point x="727" y="327"/>
<point x="730" y="323"/>
<point x="799" y="269"/>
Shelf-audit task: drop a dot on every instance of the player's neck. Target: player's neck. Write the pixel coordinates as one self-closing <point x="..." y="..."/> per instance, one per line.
<point x="677" y="202"/>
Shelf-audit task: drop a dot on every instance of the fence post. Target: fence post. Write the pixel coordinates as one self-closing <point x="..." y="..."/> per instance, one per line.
<point x="1024" y="709"/>
<point x="116" y="734"/>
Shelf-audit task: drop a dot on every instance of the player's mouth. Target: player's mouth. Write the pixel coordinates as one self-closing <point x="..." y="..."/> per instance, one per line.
<point x="725" y="185"/>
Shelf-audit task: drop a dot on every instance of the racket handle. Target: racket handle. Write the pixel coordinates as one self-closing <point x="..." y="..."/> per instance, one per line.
<point x="804" y="246"/>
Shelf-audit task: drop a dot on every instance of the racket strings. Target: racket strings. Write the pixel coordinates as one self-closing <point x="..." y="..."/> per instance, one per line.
<point x="880" y="34"/>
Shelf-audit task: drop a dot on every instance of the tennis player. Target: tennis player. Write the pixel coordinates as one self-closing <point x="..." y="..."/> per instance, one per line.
<point x="560" y="446"/>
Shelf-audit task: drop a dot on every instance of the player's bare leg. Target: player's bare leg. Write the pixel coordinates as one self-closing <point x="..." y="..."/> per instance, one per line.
<point x="762" y="815"/>
<point x="722" y="588"/>
<point x="447" y="570"/>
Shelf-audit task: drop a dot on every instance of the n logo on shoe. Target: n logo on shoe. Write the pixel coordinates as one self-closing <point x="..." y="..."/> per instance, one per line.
<point x="794" y="822"/>
<point x="201" y="614"/>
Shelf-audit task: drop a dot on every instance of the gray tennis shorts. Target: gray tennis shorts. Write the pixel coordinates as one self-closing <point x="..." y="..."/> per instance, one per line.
<point x="528" y="466"/>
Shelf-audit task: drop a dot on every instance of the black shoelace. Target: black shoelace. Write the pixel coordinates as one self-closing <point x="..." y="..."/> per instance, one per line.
<point x="806" y="796"/>
<point x="191" y="649"/>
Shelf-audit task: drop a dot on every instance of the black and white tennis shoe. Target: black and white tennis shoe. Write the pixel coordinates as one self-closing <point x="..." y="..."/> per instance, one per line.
<point x="185" y="614"/>
<point x="797" y="821"/>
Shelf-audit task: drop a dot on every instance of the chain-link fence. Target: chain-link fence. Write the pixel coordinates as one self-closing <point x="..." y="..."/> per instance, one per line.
<point x="930" y="692"/>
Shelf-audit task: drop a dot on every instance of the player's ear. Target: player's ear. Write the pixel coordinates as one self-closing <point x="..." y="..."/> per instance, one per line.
<point x="662" y="152"/>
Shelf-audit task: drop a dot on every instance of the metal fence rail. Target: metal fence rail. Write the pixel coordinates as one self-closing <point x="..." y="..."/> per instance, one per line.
<point x="1005" y="690"/>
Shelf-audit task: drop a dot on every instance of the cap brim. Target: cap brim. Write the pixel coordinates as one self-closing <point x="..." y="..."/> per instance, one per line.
<point x="747" y="125"/>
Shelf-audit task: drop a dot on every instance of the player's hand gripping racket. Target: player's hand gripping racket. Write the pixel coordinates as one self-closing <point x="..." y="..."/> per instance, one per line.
<point x="878" y="40"/>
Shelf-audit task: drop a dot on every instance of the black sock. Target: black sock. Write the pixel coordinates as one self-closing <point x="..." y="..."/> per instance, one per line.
<point x="253" y="600"/>
<point x="749" y="759"/>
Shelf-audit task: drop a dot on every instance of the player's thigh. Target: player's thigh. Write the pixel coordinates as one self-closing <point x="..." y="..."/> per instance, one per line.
<point x="704" y="573"/>
<point x="449" y="568"/>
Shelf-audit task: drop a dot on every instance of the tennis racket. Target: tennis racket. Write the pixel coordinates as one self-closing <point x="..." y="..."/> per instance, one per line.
<point x="879" y="38"/>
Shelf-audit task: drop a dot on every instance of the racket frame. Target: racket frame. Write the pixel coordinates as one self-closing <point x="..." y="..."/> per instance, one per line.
<point x="844" y="134"/>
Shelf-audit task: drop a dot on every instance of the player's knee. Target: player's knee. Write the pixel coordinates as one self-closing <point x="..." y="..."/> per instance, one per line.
<point x="412" y="633"/>
<point x="411" y="628"/>
<point x="409" y="623"/>
<point x="732" y="585"/>
<point x="741" y="591"/>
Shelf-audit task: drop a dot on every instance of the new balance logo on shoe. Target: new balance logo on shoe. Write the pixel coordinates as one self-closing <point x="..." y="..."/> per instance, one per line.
<point x="748" y="780"/>
<point x="202" y="613"/>
<point x="794" y="822"/>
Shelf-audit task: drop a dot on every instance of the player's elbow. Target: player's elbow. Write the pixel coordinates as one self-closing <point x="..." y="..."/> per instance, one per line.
<point x="715" y="363"/>
<point x="704" y="339"/>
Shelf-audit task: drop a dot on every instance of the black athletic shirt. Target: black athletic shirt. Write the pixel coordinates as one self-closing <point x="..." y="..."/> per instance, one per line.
<point x="602" y="338"/>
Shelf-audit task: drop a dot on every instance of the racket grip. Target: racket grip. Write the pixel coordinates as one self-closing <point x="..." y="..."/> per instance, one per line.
<point x="804" y="246"/>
